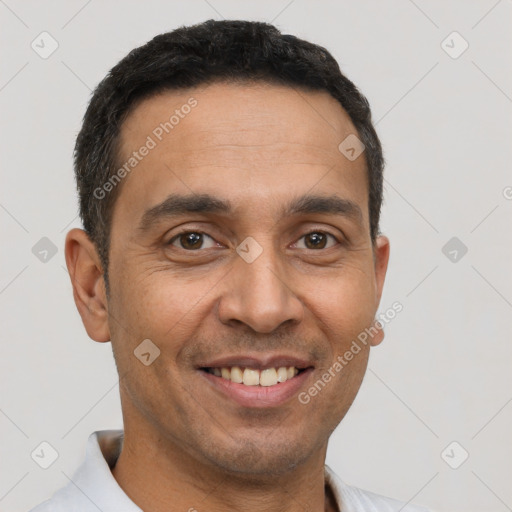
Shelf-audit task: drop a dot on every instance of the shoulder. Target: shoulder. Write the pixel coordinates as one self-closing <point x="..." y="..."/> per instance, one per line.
<point x="42" y="507"/>
<point x="64" y="500"/>
<point x="353" y="499"/>
<point x="366" y="500"/>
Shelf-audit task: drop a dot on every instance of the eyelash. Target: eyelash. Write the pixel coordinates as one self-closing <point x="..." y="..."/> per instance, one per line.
<point x="186" y="232"/>
<point x="336" y="240"/>
<point x="199" y="232"/>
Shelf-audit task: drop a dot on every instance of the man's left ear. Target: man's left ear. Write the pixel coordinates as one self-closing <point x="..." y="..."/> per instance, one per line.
<point x="381" y="258"/>
<point x="88" y="284"/>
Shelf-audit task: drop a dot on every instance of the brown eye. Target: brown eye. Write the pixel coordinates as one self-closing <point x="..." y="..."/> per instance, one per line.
<point x="190" y="240"/>
<point x="317" y="240"/>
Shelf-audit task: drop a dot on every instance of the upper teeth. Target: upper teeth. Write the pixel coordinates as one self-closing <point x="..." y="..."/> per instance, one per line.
<point x="253" y="377"/>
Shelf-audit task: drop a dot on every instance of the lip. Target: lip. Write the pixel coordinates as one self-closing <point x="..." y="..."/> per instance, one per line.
<point x="258" y="396"/>
<point x="258" y="362"/>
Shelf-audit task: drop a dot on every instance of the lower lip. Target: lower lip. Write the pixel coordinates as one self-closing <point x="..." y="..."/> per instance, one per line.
<point x="258" y="396"/>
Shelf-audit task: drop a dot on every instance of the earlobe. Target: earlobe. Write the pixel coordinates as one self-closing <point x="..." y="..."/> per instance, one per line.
<point x="88" y="283"/>
<point x="378" y="337"/>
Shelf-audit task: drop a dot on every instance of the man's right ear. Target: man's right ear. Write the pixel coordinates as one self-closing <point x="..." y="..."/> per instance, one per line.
<point x="88" y="283"/>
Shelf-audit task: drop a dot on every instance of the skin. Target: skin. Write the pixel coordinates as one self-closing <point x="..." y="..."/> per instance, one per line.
<point x="258" y="146"/>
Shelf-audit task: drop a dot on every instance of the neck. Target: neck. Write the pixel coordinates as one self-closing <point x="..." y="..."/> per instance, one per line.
<point x="157" y="474"/>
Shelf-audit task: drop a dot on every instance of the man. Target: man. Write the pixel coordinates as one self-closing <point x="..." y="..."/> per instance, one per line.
<point x="230" y="184"/>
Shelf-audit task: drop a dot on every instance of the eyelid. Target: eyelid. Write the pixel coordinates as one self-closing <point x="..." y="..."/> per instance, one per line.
<point x="188" y="227"/>
<point x="186" y="231"/>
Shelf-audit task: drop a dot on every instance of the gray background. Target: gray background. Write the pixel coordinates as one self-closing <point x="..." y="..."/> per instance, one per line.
<point x="443" y="371"/>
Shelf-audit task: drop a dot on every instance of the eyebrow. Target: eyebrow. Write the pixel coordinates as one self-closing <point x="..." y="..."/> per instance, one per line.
<point x="176" y="205"/>
<point x="331" y="205"/>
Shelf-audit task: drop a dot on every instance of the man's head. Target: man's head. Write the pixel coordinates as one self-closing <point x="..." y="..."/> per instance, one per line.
<point x="241" y="236"/>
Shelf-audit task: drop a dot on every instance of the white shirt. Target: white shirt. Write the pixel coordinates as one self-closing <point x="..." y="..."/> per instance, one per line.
<point x="93" y="488"/>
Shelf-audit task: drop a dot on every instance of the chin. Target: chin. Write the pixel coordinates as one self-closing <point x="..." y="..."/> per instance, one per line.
<point x="259" y="458"/>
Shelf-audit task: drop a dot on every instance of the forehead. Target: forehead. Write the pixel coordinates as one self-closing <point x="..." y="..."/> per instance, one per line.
<point x="253" y="144"/>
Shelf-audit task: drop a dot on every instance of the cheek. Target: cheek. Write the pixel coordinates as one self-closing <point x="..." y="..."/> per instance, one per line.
<point x="344" y="303"/>
<point x="155" y="304"/>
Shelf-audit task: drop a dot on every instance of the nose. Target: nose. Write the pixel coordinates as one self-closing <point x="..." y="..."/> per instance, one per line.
<point x="259" y="295"/>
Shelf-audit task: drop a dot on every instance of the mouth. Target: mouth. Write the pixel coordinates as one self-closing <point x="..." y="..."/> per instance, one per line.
<point x="253" y="376"/>
<point x="252" y="383"/>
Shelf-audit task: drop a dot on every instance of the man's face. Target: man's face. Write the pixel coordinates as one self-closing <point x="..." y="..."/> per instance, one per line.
<point x="296" y="293"/>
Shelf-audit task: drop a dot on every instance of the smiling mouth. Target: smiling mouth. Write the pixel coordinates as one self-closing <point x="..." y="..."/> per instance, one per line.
<point x="255" y="377"/>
